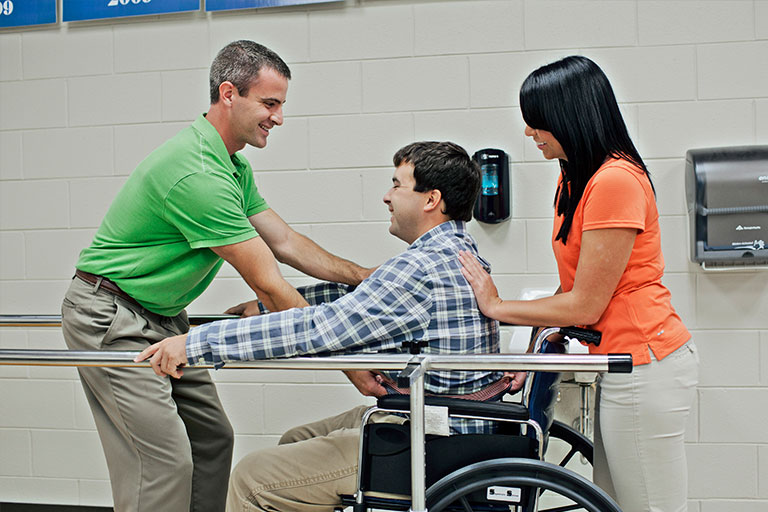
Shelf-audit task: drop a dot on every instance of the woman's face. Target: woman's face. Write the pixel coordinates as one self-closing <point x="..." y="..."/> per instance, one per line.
<point x="547" y="143"/>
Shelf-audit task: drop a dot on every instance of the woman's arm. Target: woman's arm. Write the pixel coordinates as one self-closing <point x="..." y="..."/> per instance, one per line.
<point x="602" y="260"/>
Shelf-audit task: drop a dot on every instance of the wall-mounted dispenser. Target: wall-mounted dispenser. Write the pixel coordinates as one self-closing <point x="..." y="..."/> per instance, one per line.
<point x="727" y="194"/>
<point x="492" y="204"/>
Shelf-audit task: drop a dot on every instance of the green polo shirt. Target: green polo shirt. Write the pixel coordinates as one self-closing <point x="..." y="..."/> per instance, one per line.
<point x="187" y="196"/>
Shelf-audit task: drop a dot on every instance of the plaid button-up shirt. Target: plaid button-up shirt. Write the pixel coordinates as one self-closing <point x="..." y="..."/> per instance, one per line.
<point x="419" y="295"/>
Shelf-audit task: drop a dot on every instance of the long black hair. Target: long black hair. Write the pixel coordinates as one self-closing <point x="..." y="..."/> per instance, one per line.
<point x="573" y="99"/>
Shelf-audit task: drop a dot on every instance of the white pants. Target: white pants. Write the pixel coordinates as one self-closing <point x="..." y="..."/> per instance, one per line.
<point x="639" y="432"/>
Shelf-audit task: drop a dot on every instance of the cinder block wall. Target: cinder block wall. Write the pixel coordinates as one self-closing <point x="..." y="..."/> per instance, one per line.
<point x="82" y="103"/>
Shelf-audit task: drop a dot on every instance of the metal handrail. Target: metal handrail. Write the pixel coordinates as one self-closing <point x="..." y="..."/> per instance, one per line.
<point x="55" y="320"/>
<point x="414" y="368"/>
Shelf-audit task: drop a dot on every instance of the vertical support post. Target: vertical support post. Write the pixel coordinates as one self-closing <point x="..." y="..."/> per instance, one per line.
<point x="584" y="419"/>
<point x="414" y="373"/>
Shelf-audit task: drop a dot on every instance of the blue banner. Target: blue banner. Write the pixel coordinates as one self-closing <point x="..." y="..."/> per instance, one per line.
<point x="79" y="10"/>
<point x="20" y="13"/>
<point x="225" y="5"/>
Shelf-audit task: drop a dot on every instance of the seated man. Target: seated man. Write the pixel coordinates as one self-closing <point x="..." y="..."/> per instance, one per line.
<point x="419" y="295"/>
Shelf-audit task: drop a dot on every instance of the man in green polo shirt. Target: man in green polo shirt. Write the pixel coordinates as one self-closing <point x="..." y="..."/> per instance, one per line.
<point x="190" y="205"/>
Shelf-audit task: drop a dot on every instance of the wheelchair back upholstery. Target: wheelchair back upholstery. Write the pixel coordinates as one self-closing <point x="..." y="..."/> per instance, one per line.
<point x="385" y="460"/>
<point x="542" y="393"/>
<point x="387" y="451"/>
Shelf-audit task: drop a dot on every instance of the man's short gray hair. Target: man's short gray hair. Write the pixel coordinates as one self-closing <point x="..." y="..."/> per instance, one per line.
<point x="240" y="62"/>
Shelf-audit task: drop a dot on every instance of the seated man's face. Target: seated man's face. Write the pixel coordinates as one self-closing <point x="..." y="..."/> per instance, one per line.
<point x="405" y="205"/>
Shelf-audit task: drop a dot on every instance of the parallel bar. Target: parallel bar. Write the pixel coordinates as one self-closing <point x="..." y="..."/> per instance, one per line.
<point x="531" y="362"/>
<point x="520" y="362"/>
<point x="55" y="320"/>
<point x="120" y="359"/>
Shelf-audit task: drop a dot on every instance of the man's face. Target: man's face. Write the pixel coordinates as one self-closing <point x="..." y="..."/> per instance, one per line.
<point x="405" y="204"/>
<point x="258" y="112"/>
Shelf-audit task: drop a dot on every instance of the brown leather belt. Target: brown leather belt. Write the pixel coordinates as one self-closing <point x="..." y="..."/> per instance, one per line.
<point x="105" y="284"/>
<point x="491" y="392"/>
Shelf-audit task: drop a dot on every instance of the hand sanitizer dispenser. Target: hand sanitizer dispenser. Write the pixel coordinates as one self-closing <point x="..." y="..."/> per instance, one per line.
<point x="727" y="194"/>
<point x="492" y="204"/>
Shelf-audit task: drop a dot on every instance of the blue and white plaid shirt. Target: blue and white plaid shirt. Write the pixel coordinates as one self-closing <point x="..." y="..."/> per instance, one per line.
<point x="419" y="295"/>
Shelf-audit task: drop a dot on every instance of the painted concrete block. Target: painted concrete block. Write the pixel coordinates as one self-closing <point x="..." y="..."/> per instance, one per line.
<point x="706" y="478"/>
<point x="186" y="94"/>
<point x="69" y="152"/>
<point x="161" y="46"/>
<point x="729" y="70"/>
<point x="369" y="32"/>
<point x="670" y="129"/>
<point x="68" y="454"/>
<point x="433" y="83"/>
<point x="664" y="22"/>
<point x="10" y="65"/>
<point x="503" y="245"/>
<point x="468" y="27"/>
<point x="369" y="140"/>
<point x="732" y="415"/>
<point x="10" y="155"/>
<point x="116" y="99"/>
<point x="20" y="204"/>
<point x="78" y="52"/>
<point x="286" y="33"/>
<point x="26" y="105"/>
<point x="325" y="88"/>
<point x="659" y="73"/>
<point x="580" y="24"/>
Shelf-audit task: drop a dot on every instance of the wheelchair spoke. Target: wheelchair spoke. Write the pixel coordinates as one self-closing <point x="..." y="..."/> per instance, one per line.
<point x="568" y="456"/>
<point x="565" y="508"/>
<point x="465" y="504"/>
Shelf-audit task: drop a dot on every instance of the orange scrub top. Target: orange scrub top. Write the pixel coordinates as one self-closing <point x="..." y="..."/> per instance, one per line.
<point x="640" y="315"/>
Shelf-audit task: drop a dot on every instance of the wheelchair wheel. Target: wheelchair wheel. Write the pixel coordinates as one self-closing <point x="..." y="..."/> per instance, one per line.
<point x="515" y="484"/>
<point x="577" y="442"/>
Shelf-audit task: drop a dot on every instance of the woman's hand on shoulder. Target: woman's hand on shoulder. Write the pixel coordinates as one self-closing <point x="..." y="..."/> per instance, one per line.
<point x="485" y="291"/>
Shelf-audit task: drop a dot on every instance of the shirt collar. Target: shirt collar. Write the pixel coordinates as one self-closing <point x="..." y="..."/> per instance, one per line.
<point x="446" y="228"/>
<point x="212" y="137"/>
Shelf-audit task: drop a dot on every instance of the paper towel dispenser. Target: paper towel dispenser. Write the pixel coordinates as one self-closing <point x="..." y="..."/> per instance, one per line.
<point x="727" y="195"/>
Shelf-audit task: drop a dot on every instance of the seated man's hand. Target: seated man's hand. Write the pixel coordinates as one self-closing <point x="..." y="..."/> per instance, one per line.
<point x="517" y="379"/>
<point x="250" y="308"/>
<point x="168" y="356"/>
<point x="367" y="382"/>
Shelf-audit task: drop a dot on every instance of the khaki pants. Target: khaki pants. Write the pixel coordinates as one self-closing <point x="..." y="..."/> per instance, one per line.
<point x="167" y="442"/>
<point x="308" y="471"/>
<point x="639" y="433"/>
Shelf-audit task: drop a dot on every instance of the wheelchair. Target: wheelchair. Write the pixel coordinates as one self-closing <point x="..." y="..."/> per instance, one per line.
<point x="503" y="471"/>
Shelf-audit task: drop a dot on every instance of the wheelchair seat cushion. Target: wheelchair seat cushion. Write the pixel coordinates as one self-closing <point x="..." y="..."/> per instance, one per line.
<point x="501" y="410"/>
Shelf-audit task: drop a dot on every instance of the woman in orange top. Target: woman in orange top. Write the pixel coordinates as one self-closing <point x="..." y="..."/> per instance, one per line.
<point x="607" y="246"/>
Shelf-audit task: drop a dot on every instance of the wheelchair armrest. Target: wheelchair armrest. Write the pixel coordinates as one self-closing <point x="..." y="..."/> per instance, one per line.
<point x="501" y="410"/>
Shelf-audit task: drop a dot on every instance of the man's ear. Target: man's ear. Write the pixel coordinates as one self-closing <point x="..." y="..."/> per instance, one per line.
<point x="226" y="91"/>
<point x="434" y="197"/>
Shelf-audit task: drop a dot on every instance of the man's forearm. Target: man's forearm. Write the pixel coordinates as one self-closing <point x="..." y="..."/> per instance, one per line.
<point x="256" y="264"/>
<point x="305" y="255"/>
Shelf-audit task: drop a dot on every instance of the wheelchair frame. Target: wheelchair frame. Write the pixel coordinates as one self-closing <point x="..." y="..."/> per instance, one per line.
<point x="414" y="368"/>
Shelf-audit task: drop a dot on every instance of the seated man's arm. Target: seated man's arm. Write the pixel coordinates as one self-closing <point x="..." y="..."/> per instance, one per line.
<point x="303" y="254"/>
<point x="380" y="314"/>
<point x="314" y="294"/>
